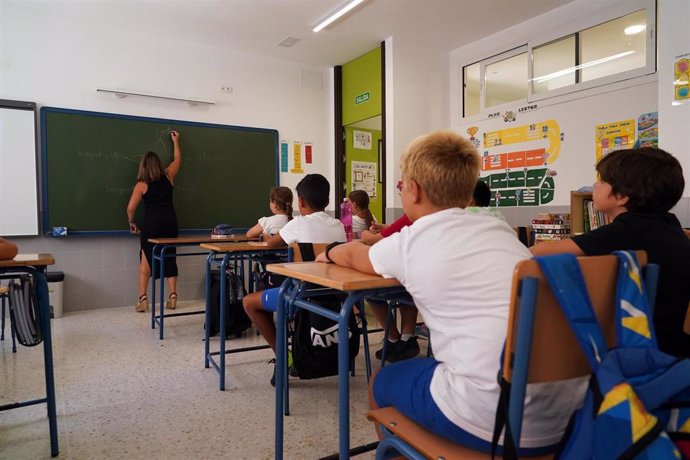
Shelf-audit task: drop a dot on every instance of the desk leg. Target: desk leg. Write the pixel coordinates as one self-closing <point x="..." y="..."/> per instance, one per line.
<point x="221" y="316"/>
<point x="161" y="313"/>
<point x="281" y="366"/>
<point x="43" y="300"/>
<point x="153" y="286"/>
<point x="207" y="317"/>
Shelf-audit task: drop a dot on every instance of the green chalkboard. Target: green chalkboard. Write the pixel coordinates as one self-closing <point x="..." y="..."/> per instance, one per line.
<point x="90" y="161"/>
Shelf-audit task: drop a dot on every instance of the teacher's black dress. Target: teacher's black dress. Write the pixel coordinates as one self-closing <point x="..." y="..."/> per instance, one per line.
<point x="160" y="221"/>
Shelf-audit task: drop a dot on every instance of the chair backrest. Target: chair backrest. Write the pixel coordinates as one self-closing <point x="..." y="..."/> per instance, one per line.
<point x="555" y="352"/>
<point x="305" y="252"/>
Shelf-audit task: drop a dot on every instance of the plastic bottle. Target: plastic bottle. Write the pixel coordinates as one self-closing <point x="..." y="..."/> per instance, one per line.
<point x="346" y="217"/>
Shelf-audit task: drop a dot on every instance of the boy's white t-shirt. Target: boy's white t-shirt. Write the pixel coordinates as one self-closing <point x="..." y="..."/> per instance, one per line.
<point x="317" y="227"/>
<point x="272" y="224"/>
<point x="458" y="267"/>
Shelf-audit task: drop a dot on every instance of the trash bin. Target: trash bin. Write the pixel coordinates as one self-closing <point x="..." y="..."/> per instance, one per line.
<point x="55" y="283"/>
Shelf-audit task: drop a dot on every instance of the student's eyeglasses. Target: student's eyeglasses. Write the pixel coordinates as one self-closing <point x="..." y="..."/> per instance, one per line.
<point x="399" y="186"/>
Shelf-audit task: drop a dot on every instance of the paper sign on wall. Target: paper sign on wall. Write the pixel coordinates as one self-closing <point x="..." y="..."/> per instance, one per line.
<point x="681" y="80"/>
<point x="362" y="140"/>
<point x="283" y="156"/>
<point x="364" y="177"/>
<point x="297" y="158"/>
<point x="307" y="153"/>
<point x="614" y="136"/>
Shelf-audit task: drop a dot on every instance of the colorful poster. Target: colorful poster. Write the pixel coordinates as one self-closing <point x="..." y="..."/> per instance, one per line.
<point x="297" y="158"/>
<point x="648" y="130"/>
<point x="364" y="177"/>
<point x="283" y="156"/>
<point x="362" y="140"/>
<point x="518" y="160"/>
<point x="681" y="78"/>
<point x="307" y="153"/>
<point x="614" y="136"/>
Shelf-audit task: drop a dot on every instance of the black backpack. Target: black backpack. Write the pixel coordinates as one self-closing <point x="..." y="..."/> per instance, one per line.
<point x="315" y="338"/>
<point x="236" y="319"/>
<point x="24" y="311"/>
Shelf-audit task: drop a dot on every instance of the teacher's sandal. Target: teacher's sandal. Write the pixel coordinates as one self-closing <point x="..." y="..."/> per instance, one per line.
<point x="172" y="301"/>
<point x="142" y="303"/>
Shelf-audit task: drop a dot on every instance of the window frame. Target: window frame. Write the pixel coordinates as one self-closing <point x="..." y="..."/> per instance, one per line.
<point x="482" y="83"/>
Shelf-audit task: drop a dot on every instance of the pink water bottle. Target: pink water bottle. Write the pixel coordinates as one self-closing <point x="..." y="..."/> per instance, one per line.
<point x="346" y="217"/>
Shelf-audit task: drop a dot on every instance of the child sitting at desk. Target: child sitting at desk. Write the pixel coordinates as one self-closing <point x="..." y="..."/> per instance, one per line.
<point x="458" y="267"/>
<point x="280" y="202"/>
<point x="313" y="225"/>
<point x="637" y="189"/>
<point x="362" y="218"/>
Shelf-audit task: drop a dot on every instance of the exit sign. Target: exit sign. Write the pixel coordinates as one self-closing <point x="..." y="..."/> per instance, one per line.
<point x="364" y="97"/>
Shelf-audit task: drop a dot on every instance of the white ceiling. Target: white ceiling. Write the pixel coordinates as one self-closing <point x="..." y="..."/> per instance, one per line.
<point x="257" y="26"/>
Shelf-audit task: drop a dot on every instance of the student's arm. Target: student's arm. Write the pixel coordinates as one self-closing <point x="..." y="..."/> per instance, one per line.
<point x="376" y="227"/>
<point x="276" y="241"/>
<point x="8" y="251"/>
<point x="174" y="167"/>
<point x="137" y="194"/>
<point x="556" y="247"/>
<point x="370" y="238"/>
<point x="351" y="255"/>
<point x="255" y="231"/>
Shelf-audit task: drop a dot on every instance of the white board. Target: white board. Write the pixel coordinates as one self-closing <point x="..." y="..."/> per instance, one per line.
<point x="18" y="177"/>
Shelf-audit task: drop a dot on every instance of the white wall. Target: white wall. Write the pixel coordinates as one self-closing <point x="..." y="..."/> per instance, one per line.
<point x="673" y="40"/>
<point x="52" y="55"/>
<point x="416" y="101"/>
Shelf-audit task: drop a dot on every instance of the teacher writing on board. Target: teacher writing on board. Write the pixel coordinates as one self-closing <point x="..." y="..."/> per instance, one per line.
<point x="155" y="186"/>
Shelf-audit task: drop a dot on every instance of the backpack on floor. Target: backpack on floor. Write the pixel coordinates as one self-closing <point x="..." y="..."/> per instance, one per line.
<point x="638" y="401"/>
<point x="24" y="311"/>
<point x="315" y="340"/>
<point x="236" y="319"/>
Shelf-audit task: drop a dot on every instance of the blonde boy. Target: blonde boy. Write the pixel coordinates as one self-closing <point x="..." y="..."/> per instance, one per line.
<point x="458" y="268"/>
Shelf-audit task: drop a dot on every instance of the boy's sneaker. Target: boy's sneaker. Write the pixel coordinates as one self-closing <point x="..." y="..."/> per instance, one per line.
<point x="292" y="372"/>
<point x="390" y="349"/>
<point x="404" y="350"/>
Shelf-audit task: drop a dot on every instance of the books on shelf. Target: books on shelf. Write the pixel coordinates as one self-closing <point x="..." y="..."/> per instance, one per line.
<point x="593" y="219"/>
<point x="551" y="227"/>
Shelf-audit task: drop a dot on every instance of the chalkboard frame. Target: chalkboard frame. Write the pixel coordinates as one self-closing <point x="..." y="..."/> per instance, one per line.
<point x="47" y="231"/>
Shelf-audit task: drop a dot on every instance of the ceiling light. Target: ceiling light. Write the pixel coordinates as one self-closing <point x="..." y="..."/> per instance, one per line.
<point x="337" y="14"/>
<point x="634" y="29"/>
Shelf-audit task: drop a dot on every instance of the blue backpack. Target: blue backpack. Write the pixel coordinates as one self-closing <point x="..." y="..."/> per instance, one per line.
<point x="638" y="401"/>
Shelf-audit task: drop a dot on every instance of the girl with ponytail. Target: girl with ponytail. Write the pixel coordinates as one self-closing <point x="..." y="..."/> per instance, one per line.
<point x="280" y="202"/>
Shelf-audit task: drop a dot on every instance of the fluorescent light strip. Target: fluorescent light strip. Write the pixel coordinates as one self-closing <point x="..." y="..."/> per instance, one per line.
<point x="563" y="72"/>
<point x="344" y="9"/>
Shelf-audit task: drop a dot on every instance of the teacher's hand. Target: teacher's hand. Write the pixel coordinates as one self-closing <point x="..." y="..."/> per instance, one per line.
<point x="175" y="136"/>
<point x="133" y="228"/>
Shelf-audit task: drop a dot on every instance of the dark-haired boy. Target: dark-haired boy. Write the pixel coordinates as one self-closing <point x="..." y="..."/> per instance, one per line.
<point x="637" y="189"/>
<point x="313" y="225"/>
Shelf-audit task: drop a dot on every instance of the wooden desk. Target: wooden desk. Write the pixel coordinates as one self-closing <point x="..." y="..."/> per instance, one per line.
<point x="166" y="247"/>
<point x="293" y="295"/>
<point x="237" y="252"/>
<point x="34" y="264"/>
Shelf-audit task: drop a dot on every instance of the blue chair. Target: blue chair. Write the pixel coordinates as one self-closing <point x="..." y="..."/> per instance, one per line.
<point x="540" y="347"/>
<point x="4" y="298"/>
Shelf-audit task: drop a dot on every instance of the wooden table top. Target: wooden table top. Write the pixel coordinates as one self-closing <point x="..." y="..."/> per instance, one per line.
<point x="239" y="247"/>
<point x="202" y="239"/>
<point x="29" y="260"/>
<point x="332" y="276"/>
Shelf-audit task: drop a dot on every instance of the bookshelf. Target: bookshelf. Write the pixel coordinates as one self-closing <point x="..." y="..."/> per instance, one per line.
<point x="577" y="214"/>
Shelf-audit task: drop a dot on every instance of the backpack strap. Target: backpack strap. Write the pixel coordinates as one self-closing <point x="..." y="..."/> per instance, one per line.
<point x="563" y="274"/>
<point x="633" y="316"/>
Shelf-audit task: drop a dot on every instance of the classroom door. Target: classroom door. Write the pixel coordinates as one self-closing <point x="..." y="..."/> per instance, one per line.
<point x="363" y="164"/>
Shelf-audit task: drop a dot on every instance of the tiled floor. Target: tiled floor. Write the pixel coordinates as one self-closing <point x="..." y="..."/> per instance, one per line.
<point x="122" y="393"/>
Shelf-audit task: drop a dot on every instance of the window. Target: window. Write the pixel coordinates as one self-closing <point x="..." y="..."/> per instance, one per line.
<point x="615" y="45"/>
<point x="505" y="80"/>
<point x="470" y="79"/>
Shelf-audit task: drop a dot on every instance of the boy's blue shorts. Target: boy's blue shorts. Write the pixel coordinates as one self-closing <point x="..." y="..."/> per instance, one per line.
<point x="269" y="299"/>
<point x="405" y="386"/>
